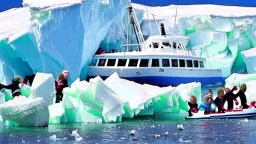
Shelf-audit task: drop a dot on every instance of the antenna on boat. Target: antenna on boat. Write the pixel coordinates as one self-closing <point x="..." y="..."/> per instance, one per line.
<point x="133" y="20"/>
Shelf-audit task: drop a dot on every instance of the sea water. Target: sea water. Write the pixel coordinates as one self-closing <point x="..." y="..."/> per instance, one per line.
<point x="153" y="129"/>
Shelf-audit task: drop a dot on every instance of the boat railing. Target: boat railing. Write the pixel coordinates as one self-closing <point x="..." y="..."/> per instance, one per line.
<point x="130" y="47"/>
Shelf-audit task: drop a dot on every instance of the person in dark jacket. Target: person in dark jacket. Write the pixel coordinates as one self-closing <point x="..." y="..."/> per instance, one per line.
<point x="193" y="106"/>
<point x="241" y="95"/>
<point x="14" y="86"/>
<point x="231" y="97"/>
<point x="59" y="86"/>
<point x="220" y="100"/>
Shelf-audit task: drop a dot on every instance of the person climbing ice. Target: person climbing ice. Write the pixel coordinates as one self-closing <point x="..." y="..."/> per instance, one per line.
<point x="60" y="84"/>
<point x="14" y="86"/>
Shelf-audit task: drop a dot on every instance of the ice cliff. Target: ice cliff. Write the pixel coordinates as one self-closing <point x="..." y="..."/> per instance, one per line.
<point x="49" y="36"/>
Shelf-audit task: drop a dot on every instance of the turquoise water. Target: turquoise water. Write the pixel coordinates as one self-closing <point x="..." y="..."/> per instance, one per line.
<point x="153" y="129"/>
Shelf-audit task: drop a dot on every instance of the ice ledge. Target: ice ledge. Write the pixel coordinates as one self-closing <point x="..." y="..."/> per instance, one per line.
<point x="50" y="4"/>
<point x="198" y="10"/>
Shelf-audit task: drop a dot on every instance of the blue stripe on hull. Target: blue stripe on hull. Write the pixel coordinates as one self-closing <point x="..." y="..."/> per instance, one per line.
<point x="174" y="81"/>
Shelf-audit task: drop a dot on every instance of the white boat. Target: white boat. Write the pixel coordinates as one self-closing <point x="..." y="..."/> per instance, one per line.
<point x="160" y="60"/>
<point x="242" y="113"/>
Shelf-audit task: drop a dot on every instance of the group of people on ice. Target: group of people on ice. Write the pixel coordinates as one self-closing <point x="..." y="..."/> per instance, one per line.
<point x="16" y="84"/>
<point x="223" y="95"/>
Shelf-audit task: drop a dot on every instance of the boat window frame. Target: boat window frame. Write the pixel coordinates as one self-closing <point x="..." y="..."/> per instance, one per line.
<point x="142" y="60"/>
<point x="153" y="60"/>
<point x="195" y="65"/>
<point x="94" y="64"/>
<point x="180" y="63"/>
<point x="121" y="65"/>
<point x="134" y="65"/>
<point x="201" y="62"/>
<point x="168" y="62"/>
<point x="172" y="63"/>
<point x="100" y="61"/>
<point x="191" y="63"/>
<point x="111" y="65"/>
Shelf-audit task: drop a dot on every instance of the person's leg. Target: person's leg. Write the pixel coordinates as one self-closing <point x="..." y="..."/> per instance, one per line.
<point x="57" y="98"/>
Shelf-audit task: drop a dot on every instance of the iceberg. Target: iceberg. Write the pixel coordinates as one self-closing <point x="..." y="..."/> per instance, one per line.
<point x="249" y="58"/>
<point x="23" y="111"/>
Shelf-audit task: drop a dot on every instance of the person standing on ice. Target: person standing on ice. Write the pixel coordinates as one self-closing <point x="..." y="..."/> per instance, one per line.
<point x="60" y="85"/>
<point x="14" y="86"/>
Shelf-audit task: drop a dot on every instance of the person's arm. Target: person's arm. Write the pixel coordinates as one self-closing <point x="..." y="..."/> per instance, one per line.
<point x="200" y="106"/>
<point x="189" y="103"/>
<point x="8" y="86"/>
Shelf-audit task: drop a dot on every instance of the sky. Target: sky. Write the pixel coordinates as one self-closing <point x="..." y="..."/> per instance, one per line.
<point x="7" y="4"/>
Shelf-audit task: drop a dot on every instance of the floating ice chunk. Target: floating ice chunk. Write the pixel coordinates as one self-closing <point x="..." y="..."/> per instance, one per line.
<point x="43" y="86"/>
<point x="157" y="135"/>
<point x="249" y="57"/>
<point x="99" y="97"/>
<point x="56" y="112"/>
<point x="76" y="135"/>
<point x="132" y="132"/>
<point x="54" y="138"/>
<point x="26" y="111"/>
<point x="129" y="91"/>
<point x="180" y="127"/>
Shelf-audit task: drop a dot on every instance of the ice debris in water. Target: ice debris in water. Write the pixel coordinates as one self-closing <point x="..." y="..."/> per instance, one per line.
<point x="54" y="138"/>
<point x="245" y="120"/>
<point x="166" y="133"/>
<point x="157" y="135"/>
<point x="153" y="126"/>
<point x="22" y="141"/>
<point x="184" y="141"/>
<point x="132" y="132"/>
<point x="76" y="135"/>
<point x="180" y="127"/>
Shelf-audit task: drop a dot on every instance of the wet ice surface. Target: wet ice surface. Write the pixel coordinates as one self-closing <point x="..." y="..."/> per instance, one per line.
<point x="148" y="130"/>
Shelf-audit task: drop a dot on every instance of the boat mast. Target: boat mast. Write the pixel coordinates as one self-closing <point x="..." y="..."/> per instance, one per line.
<point x="136" y="26"/>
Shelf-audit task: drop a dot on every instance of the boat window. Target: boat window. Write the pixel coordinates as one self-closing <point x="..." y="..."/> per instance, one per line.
<point x="155" y="63"/>
<point x="93" y="62"/>
<point x="189" y="63"/>
<point x="144" y="63"/>
<point x="133" y="62"/>
<point x="165" y="44"/>
<point x="174" y="63"/>
<point x="121" y="62"/>
<point x="102" y="62"/>
<point x="155" y="45"/>
<point x="150" y="45"/>
<point x="201" y="64"/>
<point x="165" y="62"/>
<point x="182" y="63"/>
<point x="195" y="63"/>
<point x="111" y="62"/>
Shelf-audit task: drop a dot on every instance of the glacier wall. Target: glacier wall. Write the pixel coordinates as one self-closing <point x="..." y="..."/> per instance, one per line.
<point x="49" y="36"/>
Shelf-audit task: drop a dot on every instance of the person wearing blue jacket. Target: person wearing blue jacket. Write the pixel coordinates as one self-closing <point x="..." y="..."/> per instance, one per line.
<point x="206" y="104"/>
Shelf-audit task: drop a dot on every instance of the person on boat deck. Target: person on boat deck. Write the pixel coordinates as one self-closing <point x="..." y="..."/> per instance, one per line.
<point x="230" y="96"/>
<point x="29" y="78"/>
<point x="60" y="85"/>
<point x="193" y="105"/>
<point x="220" y="100"/>
<point x="206" y="104"/>
<point x="14" y="86"/>
<point x="210" y="93"/>
<point x="241" y="94"/>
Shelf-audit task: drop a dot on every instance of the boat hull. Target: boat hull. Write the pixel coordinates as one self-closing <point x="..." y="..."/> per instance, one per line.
<point x="162" y="76"/>
<point x="245" y="113"/>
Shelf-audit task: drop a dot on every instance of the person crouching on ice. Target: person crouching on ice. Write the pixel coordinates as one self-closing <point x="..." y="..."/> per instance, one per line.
<point x="193" y="105"/>
<point x="14" y="86"/>
<point x="230" y="97"/>
<point x="59" y="86"/>
<point x="206" y="105"/>
<point x="220" y="100"/>
<point x="242" y="96"/>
